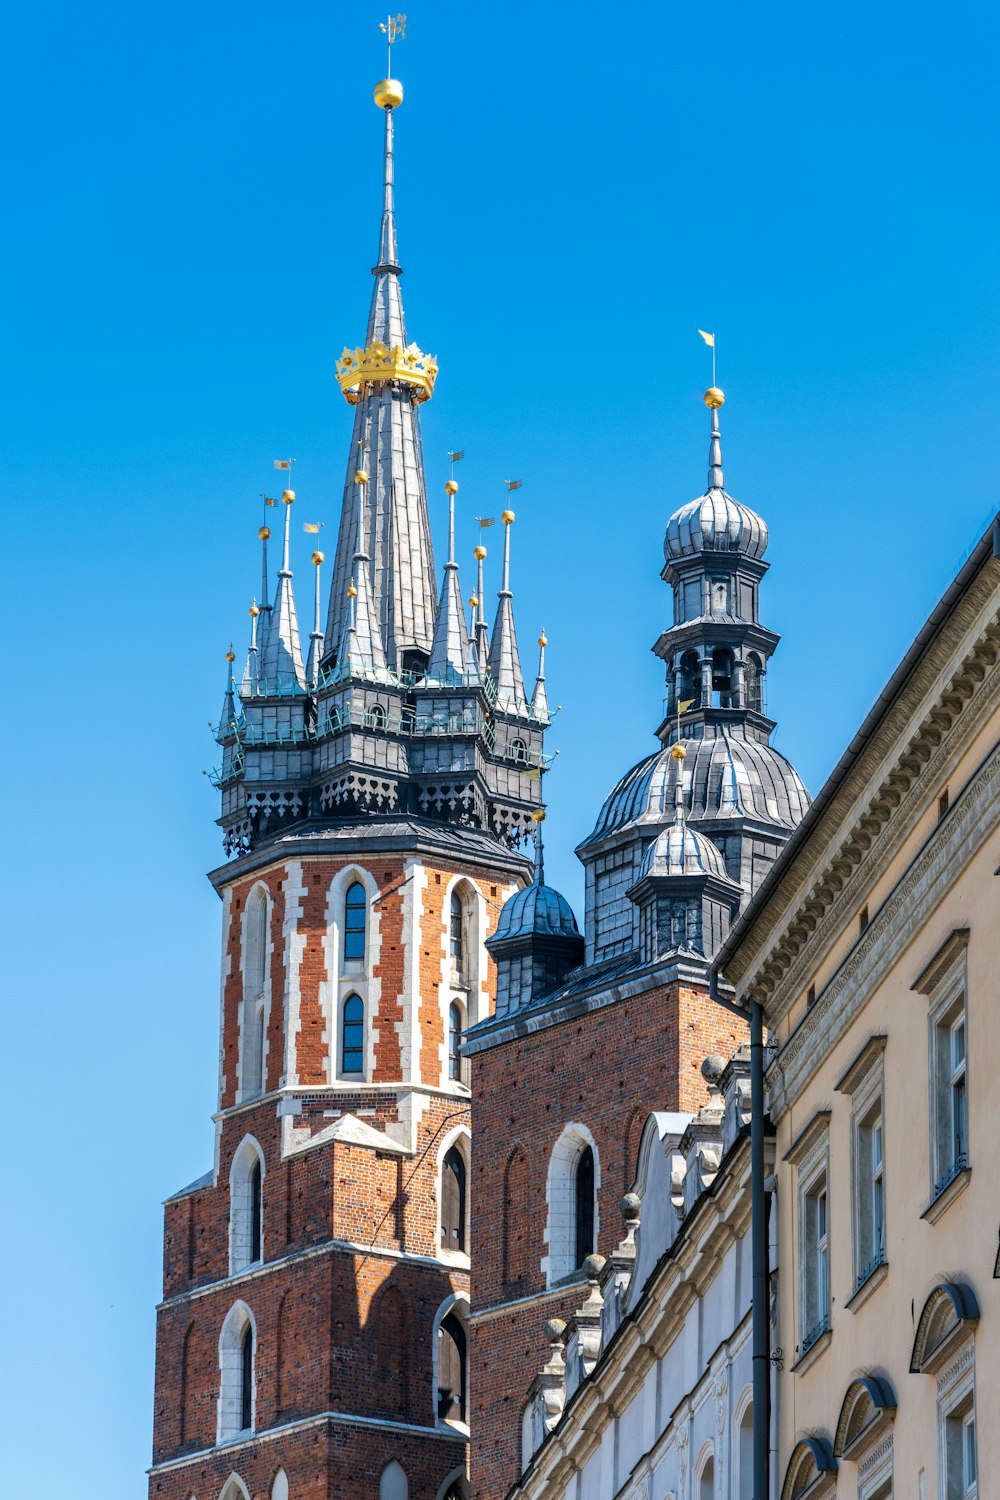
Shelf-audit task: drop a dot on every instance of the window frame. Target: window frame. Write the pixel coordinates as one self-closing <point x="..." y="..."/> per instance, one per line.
<point x="864" y="1083"/>
<point x="354" y="963"/>
<point x="957" y="1418"/>
<point x="810" y="1155"/>
<point x="949" y="1081"/>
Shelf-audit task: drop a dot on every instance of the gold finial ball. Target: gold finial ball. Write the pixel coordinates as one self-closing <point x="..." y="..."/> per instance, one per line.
<point x="230" y="657"/>
<point x="508" y="518"/>
<point x="678" y="752"/>
<point x="473" y="601"/>
<point x="714" y="398"/>
<point x="479" y="553"/>
<point x="361" y="476"/>
<point x="539" y="815"/>
<point x="288" y="497"/>
<point x="352" y="592"/>
<point x="451" y="487"/>
<point x="264" y="533"/>
<point x="388" y="93"/>
<point x="254" y="610"/>
<point x="318" y="558"/>
<point x="543" y="639"/>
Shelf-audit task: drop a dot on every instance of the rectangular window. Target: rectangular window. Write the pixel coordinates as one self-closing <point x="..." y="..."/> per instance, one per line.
<point x="960" y="1466"/>
<point x="815" y="1262"/>
<point x="864" y="1081"/>
<point x="944" y="982"/>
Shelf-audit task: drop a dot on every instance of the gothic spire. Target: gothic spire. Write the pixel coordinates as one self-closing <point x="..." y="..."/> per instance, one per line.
<point x="505" y="659"/>
<point x="385" y="382"/>
<point x="251" y="672"/>
<point x="316" y="637"/>
<point x="281" y="659"/>
<point x="361" y="650"/>
<point x="452" y="658"/>
<point x="230" y="717"/>
<point x="539" y="698"/>
<point x="482" y="639"/>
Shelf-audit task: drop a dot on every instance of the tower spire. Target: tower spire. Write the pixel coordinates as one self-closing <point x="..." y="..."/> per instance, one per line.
<point x="716" y="479"/>
<point x="316" y="636"/>
<point x="539" y="698"/>
<point x="251" y="672"/>
<point x="362" y="652"/>
<point x="385" y="382"/>
<point x="229" y="718"/>
<point x="281" y="661"/>
<point x="505" y="659"/>
<point x="482" y="641"/>
<point x="452" y="658"/>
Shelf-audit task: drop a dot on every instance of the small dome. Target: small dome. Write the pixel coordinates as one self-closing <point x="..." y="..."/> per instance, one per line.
<point x="726" y="776"/>
<point x="715" y="522"/>
<point x="537" y="910"/>
<point x="680" y="850"/>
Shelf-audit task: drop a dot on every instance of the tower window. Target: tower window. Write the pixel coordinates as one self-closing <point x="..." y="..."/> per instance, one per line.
<point x="456" y="937"/>
<point x="584" y="1205"/>
<point x="722" y="678"/>
<point x="451" y="1403"/>
<point x="518" y="752"/>
<point x="753" y="683"/>
<point x="256" y="1205"/>
<point x="453" y="1200"/>
<point x="376" y="717"/>
<point x="352" y="1044"/>
<point x="456" y="1024"/>
<point x="690" y="679"/>
<point x="355" y="920"/>
<point x="246" y="1207"/>
<point x="246" y="1379"/>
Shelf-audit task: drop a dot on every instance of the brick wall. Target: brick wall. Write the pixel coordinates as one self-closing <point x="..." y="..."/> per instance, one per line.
<point x="604" y="1069"/>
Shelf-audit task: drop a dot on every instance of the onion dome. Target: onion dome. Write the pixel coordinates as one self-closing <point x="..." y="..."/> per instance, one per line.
<point x="727" y="776"/>
<point x="715" y="522"/>
<point x="537" y="911"/>
<point x="680" y="850"/>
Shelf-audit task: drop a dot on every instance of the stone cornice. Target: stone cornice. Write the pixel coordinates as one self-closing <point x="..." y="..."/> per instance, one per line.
<point x="950" y="847"/>
<point x="861" y="829"/>
<point x="866" y="1059"/>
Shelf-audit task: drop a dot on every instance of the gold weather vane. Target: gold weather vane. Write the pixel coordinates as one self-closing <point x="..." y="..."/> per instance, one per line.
<point x="513" y="484"/>
<point x="394" y="29"/>
<point x="678" y="752"/>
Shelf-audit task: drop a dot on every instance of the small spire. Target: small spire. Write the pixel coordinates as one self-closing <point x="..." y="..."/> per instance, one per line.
<point x="316" y="637"/>
<point x="539" y="698"/>
<point x="505" y="660"/>
<point x="281" y="660"/>
<point x="362" y="652"/>
<point x="251" y="673"/>
<point x="714" y="398"/>
<point x="679" y="753"/>
<point x="482" y="638"/>
<point x="451" y="655"/>
<point x="538" y="818"/>
<point x="264" y="535"/>
<point x="230" y="718"/>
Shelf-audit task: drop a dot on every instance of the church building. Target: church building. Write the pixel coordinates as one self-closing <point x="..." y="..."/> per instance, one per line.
<point x="377" y="791"/>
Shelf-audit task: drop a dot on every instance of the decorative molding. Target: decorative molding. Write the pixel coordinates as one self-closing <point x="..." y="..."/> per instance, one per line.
<point x="951" y="952"/>
<point x="906" y="911"/>
<point x="868" y="1058"/>
<point x="809" y="1136"/>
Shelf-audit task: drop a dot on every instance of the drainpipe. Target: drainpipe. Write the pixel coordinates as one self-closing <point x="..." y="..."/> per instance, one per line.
<point x="760" y="1277"/>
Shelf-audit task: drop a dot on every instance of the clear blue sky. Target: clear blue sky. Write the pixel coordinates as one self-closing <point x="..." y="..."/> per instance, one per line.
<point x="191" y="197"/>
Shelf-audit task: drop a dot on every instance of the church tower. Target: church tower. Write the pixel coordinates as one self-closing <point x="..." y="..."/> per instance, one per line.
<point x="377" y="787"/>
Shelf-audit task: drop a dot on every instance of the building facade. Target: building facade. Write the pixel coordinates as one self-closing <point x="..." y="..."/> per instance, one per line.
<point x="872" y="950"/>
<point x="376" y="791"/>
<point x="582" y="1061"/>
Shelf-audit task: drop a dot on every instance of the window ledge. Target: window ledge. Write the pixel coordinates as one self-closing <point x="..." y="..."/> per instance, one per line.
<point x="812" y="1354"/>
<point x="456" y="1258"/>
<point x="946" y="1196"/>
<point x="460" y="1429"/>
<point x="870" y="1284"/>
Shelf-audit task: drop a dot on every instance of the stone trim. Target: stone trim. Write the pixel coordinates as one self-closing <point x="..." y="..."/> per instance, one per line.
<point x="809" y="1136"/>
<point x="868" y="1058"/>
<point x="905" y="911"/>
<point x="951" y="952"/>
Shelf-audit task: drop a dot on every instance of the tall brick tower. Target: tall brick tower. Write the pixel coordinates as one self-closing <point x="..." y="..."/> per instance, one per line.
<point x="577" y="1055"/>
<point x="311" y="1341"/>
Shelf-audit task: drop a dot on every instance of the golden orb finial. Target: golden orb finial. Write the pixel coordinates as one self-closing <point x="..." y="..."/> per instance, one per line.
<point x="317" y="558"/>
<point x="264" y="533"/>
<point x="288" y="497"/>
<point x="352" y="592"/>
<point x="507" y="518"/>
<point x="451" y="487"/>
<point x="479" y="552"/>
<point x="254" y="610"/>
<point x="361" y="476"/>
<point x="678" y="752"/>
<point x="539" y="815"/>
<point x="473" y="601"/>
<point x="230" y="656"/>
<point x="714" y="398"/>
<point x="388" y="93"/>
<point x="543" y="639"/>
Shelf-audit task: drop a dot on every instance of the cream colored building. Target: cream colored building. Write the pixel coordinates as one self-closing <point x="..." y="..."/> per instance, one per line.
<point x="874" y="950"/>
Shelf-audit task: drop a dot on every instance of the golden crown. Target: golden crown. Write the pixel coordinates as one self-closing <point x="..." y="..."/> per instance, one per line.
<point x="379" y="363"/>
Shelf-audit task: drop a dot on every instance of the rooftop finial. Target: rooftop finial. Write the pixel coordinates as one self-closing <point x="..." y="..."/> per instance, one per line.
<point x="539" y="698"/>
<point x="316" y="637"/>
<point x="714" y="398"/>
<point x="505" y="660"/>
<point x="481" y="641"/>
<point x="388" y="96"/>
<point x="679" y="754"/>
<point x="452" y="659"/>
<point x="538" y="818"/>
<point x="451" y="490"/>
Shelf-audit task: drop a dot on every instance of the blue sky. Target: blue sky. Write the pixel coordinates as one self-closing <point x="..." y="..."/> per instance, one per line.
<point x="191" y="199"/>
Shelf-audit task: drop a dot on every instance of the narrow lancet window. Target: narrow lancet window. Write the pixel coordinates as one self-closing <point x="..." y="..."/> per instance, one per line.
<point x="355" y="923"/>
<point x="352" y="1050"/>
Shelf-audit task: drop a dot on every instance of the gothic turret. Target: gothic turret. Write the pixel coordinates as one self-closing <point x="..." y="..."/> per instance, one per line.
<point x="740" y="792"/>
<point x="537" y="942"/>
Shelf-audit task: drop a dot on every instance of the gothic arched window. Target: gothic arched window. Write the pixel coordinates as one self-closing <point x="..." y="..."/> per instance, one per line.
<point x="255" y="979"/>
<point x="246" y="1223"/>
<point x="456" y="936"/>
<point x="255" y="1210"/>
<point x="451" y="1402"/>
<point x="246" y="1379"/>
<point x="584" y="1194"/>
<point x="352" y="1036"/>
<point x="376" y="717"/>
<point x="453" y="1200"/>
<point x="355" y="922"/>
